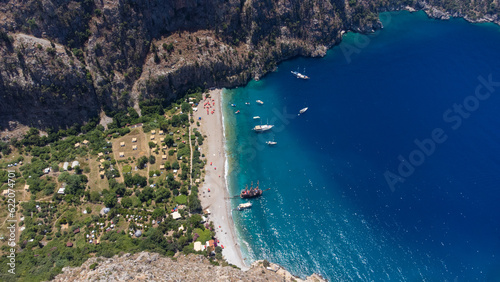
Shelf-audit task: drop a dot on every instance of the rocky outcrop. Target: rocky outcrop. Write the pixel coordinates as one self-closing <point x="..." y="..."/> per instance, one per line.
<point x="146" y="266"/>
<point x="42" y="84"/>
<point x="128" y="50"/>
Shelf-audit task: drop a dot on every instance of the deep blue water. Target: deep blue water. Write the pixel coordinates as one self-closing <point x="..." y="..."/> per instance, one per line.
<point x="330" y="209"/>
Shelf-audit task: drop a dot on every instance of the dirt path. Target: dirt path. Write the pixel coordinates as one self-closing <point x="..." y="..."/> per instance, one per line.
<point x="191" y="158"/>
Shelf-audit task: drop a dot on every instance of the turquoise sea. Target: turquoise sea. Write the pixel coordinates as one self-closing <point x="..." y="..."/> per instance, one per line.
<point x="393" y="174"/>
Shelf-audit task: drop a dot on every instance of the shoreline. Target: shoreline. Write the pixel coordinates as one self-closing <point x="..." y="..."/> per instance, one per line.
<point x="217" y="200"/>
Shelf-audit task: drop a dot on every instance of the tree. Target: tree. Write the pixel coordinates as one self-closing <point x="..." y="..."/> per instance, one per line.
<point x="162" y="195"/>
<point x="132" y="113"/>
<point x="141" y="162"/>
<point x="147" y="194"/>
<point x="78" y="170"/>
<point x="158" y="213"/>
<point x="152" y="159"/>
<point x="120" y="189"/>
<point x="175" y="165"/>
<point x="169" y="141"/>
<point x="110" y="200"/>
<point x="126" y="202"/>
<point x="185" y="107"/>
<point x="194" y="203"/>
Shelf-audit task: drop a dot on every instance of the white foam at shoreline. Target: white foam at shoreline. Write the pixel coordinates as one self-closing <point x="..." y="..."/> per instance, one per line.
<point x="245" y="252"/>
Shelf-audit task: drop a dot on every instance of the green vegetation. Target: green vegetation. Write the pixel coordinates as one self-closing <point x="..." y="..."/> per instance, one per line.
<point x="95" y="182"/>
<point x="181" y="199"/>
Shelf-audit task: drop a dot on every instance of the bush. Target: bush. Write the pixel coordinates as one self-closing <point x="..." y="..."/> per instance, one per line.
<point x="93" y="266"/>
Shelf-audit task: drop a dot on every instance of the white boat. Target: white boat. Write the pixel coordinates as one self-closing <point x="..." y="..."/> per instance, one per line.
<point x="297" y="74"/>
<point x="271" y="143"/>
<point x="244" y="206"/>
<point x="303" y="111"/>
<point x="256" y="117"/>
<point x="262" y="128"/>
<point x="260" y="102"/>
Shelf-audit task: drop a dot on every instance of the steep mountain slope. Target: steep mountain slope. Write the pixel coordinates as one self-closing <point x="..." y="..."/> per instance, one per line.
<point x="110" y="54"/>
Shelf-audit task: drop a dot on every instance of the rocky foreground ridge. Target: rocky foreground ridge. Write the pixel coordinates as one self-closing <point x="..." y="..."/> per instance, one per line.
<point x="146" y="266"/>
<point x="64" y="61"/>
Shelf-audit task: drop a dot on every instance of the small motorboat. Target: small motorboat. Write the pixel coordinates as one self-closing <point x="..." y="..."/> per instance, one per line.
<point x="247" y="103"/>
<point x="237" y="112"/>
<point x="233" y="105"/>
<point x="244" y="206"/>
<point x="270" y="143"/>
<point x="260" y="102"/>
<point x="256" y="117"/>
<point x="303" y="111"/>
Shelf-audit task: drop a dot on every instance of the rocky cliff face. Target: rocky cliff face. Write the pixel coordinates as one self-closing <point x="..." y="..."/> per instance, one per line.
<point x="113" y="53"/>
<point x="152" y="267"/>
<point x="41" y="84"/>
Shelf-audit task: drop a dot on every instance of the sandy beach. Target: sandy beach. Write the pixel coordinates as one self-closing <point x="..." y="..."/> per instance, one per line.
<point x="217" y="199"/>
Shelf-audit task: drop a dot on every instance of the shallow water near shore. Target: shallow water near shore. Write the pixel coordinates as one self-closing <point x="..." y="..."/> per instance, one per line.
<point x="330" y="209"/>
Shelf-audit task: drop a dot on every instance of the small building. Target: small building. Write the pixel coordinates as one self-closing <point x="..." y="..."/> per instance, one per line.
<point x="61" y="190"/>
<point x="134" y="147"/>
<point x="161" y="132"/>
<point x="85" y="142"/>
<point x="134" y="140"/>
<point x="26" y="188"/>
<point x="176" y="215"/>
<point x="76" y="231"/>
<point x="155" y="142"/>
<point x="162" y="167"/>
<point x="101" y="174"/>
<point x="122" y="154"/>
<point x="74" y="164"/>
<point x="69" y="244"/>
<point x="47" y="170"/>
<point x="100" y="154"/>
<point x="197" y="246"/>
<point x="164" y="147"/>
<point x="122" y="144"/>
<point x="164" y="157"/>
<point x="77" y="145"/>
<point x="101" y="160"/>
<point x="152" y="137"/>
<point x="138" y="233"/>
<point x="5" y="192"/>
<point x="153" y="132"/>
